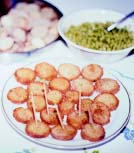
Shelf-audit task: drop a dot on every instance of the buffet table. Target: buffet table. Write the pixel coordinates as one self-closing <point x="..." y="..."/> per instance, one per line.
<point x="12" y="142"/>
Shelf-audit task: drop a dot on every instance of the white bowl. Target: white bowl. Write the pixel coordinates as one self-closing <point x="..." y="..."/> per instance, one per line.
<point x="94" y="15"/>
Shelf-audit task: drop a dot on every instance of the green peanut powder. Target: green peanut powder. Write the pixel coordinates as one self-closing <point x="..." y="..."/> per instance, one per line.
<point x="94" y="36"/>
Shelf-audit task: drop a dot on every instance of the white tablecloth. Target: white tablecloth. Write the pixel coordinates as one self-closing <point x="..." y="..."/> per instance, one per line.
<point x="12" y="142"/>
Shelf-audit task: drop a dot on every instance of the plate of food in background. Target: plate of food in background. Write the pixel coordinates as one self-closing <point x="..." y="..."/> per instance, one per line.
<point x="28" y="27"/>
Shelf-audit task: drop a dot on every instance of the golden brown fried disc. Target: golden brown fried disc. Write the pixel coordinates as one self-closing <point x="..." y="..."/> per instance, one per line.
<point x="92" y="72"/>
<point x="100" y="113"/>
<point x="36" y="88"/>
<point x="68" y="133"/>
<point x="37" y="129"/>
<point x="45" y="71"/>
<point x="60" y="84"/>
<point x="69" y="71"/>
<point x="107" y="85"/>
<point x="84" y="86"/>
<point x="77" y="120"/>
<point x="85" y="104"/>
<point x="23" y="115"/>
<point x="50" y="118"/>
<point x="25" y="75"/>
<point x="39" y="102"/>
<point x="108" y="99"/>
<point x="54" y="97"/>
<point x="72" y="96"/>
<point x="17" y="95"/>
<point x="66" y="107"/>
<point x="92" y="132"/>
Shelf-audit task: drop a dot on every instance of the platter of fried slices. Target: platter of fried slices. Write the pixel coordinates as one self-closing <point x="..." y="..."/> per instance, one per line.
<point x="66" y="104"/>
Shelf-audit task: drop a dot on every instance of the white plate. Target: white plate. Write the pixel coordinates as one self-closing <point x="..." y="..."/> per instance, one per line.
<point x="119" y="118"/>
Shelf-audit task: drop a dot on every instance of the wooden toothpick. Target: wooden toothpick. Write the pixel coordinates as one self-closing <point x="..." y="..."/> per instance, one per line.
<point x="79" y="102"/>
<point x="59" y="116"/>
<point x="33" y="106"/>
<point x="45" y="93"/>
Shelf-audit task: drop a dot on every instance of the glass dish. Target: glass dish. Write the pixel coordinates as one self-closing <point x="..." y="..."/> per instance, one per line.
<point x="119" y="117"/>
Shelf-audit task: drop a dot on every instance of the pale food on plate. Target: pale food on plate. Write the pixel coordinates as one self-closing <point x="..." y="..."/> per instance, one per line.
<point x="28" y="26"/>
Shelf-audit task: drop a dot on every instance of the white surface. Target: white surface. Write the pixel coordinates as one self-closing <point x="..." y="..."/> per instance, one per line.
<point x="67" y="6"/>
